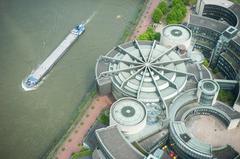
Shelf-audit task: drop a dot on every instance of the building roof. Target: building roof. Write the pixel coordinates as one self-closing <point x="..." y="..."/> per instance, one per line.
<point x="237" y="39"/>
<point x="235" y="8"/>
<point x="188" y="141"/>
<point x="233" y="114"/>
<point x="223" y="3"/>
<point x="176" y="32"/>
<point x="128" y="111"/>
<point x="229" y="59"/>
<point x="226" y="152"/>
<point x="208" y="23"/>
<point x="147" y="71"/>
<point x="115" y="144"/>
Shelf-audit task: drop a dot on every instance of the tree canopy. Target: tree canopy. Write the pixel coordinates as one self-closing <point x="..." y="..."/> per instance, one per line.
<point x="157" y="15"/>
<point x="177" y="13"/>
<point x="163" y="6"/>
<point x="150" y="34"/>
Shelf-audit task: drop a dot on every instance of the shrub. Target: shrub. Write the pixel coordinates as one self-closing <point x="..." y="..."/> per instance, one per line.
<point x="81" y="153"/>
<point x="163" y="6"/>
<point x="177" y="13"/>
<point x="190" y="2"/>
<point x="104" y="119"/>
<point x="206" y="63"/>
<point x="157" y="15"/>
<point x="226" y="97"/>
<point x="150" y="34"/>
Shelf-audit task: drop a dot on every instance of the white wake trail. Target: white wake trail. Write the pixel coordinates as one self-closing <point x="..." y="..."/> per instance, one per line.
<point x="90" y="18"/>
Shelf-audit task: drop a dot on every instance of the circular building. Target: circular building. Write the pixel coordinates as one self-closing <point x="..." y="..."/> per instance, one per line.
<point x="173" y="35"/>
<point x="129" y="114"/>
<point x="207" y="92"/>
<point x="144" y="70"/>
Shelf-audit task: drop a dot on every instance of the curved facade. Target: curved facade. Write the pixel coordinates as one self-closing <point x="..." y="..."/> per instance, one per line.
<point x="221" y="10"/>
<point x="220" y="13"/>
<point x="206" y="31"/>
<point x="185" y="106"/>
<point x="186" y="145"/>
<point x="173" y="35"/>
<point x="129" y="114"/>
<point x="217" y="45"/>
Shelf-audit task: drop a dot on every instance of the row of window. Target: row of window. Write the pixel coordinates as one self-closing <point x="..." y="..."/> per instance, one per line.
<point x="226" y="68"/>
<point x="218" y="12"/>
<point x="187" y="152"/>
<point x="208" y="33"/>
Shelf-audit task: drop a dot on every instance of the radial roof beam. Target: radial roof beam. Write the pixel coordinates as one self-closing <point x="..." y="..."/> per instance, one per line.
<point x="140" y="51"/>
<point x="114" y="72"/>
<point x="114" y="60"/>
<point x="126" y="52"/>
<point x="174" y="61"/>
<point x="165" y="78"/>
<point x="159" y="92"/>
<point x="172" y="70"/>
<point x="151" y="51"/>
<point x="131" y="76"/>
<point x="166" y="52"/>
<point x="141" y="83"/>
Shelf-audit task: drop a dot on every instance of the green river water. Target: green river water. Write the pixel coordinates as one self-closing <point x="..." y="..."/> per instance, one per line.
<point x="30" y="122"/>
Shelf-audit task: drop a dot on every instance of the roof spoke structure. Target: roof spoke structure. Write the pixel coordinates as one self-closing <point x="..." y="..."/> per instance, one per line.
<point x="144" y="70"/>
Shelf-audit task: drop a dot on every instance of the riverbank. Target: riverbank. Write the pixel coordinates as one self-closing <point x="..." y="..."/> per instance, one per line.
<point x="72" y="140"/>
<point x="146" y="19"/>
<point x="85" y="102"/>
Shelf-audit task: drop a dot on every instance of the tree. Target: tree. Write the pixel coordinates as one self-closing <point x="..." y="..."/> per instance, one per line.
<point x="177" y="13"/>
<point x="163" y="6"/>
<point x="157" y="15"/>
<point x="150" y="34"/>
<point x="190" y="2"/>
<point x="177" y="2"/>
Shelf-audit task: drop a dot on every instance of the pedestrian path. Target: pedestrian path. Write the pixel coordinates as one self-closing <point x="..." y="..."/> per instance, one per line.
<point x="74" y="141"/>
<point x="145" y="20"/>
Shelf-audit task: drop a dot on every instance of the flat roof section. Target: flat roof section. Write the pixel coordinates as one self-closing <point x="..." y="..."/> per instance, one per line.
<point x="208" y="23"/>
<point x="176" y="32"/>
<point x="145" y="70"/>
<point x="128" y="111"/>
<point x="223" y="3"/>
<point x="116" y="145"/>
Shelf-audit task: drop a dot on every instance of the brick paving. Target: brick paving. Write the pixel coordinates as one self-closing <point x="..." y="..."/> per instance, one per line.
<point x="145" y="20"/>
<point x="75" y="139"/>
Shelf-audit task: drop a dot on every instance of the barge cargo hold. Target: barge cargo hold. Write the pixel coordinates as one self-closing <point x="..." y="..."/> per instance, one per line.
<point x="32" y="80"/>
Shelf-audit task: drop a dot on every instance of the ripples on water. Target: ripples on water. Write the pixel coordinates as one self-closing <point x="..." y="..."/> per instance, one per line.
<point x="31" y="121"/>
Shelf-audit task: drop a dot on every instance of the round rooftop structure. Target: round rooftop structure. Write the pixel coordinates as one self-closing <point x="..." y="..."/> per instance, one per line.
<point x="145" y="70"/>
<point x="129" y="114"/>
<point x="173" y="35"/>
<point x="209" y="87"/>
<point x="207" y="92"/>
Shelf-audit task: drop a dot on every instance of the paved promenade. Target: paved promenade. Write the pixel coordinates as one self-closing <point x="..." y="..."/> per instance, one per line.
<point x="146" y="19"/>
<point x="74" y="140"/>
<point x="213" y="131"/>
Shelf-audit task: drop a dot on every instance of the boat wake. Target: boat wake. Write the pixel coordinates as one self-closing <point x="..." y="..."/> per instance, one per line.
<point x="90" y="18"/>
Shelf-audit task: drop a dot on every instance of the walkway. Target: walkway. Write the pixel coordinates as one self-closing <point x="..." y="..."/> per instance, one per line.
<point x="146" y="19"/>
<point x="213" y="131"/>
<point x="74" y="141"/>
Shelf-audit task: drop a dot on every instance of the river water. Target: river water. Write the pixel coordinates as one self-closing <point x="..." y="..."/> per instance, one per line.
<point x="30" y="122"/>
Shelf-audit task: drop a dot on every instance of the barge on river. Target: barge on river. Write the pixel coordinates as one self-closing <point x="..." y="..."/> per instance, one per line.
<point x="32" y="80"/>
